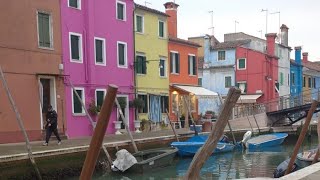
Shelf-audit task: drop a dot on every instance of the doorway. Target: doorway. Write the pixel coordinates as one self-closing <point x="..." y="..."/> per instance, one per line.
<point x="124" y="103"/>
<point x="47" y="91"/>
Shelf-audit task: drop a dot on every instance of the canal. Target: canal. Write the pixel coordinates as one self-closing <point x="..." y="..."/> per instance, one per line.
<point x="235" y="165"/>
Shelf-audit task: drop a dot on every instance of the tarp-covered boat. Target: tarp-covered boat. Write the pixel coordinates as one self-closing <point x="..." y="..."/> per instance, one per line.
<point x="266" y="140"/>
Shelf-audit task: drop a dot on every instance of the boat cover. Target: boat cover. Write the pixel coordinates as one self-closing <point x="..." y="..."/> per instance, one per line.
<point x="124" y="160"/>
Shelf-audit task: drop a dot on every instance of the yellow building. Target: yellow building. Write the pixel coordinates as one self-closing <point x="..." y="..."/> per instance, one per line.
<point x="151" y="62"/>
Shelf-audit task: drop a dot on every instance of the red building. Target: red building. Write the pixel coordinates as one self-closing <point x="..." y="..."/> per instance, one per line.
<point x="257" y="72"/>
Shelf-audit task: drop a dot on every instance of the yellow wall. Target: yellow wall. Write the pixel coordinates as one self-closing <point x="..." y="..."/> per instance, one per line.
<point x="307" y="88"/>
<point x="153" y="47"/>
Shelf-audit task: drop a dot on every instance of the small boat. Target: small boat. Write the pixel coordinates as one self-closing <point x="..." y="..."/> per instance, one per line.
<point x="144" y="160"/>
<point x="282" y="168"/>
<point x="193" y="144"/>
<point x="266" y="140"/>
<point x="305" y="159"/>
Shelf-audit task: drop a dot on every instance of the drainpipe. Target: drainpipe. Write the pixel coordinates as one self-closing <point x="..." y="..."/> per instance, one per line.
<point x="134" y="57"/>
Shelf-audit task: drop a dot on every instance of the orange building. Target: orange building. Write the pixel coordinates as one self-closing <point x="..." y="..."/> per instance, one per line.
<point x="183" y="72"/>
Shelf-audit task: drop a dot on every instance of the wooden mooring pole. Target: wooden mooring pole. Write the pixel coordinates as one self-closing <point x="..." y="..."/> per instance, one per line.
<point x="173" y="128"/>
<point x="301" y="136"/>
<point x="20" y="122"/>
<point x="99" y="132"/>
<point x="217" y="131"/>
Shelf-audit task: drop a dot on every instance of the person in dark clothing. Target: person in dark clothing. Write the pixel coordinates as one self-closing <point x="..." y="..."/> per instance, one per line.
<point x="51" y="126"/>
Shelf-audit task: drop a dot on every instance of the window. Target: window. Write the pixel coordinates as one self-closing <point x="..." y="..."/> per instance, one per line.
<point x="44" y="30"/>
<point x="221" y="55"/>
<point x="76" y="47"/>
<point x="227" y="81"/>
<point x="241" y="64"/>
<point x="164" y="104"/>
<point x="100" y="94"/>
<point x="276" y="87"/>
<point x="292" y="78"/>
<point x="75" y="4"/>
<point x="309" y="82"/>
<point x="314" y="82"/>
<point x="304" y="81"/>
<point x="161" y="29"/>
<point x="200" y="81"/>
<point x="281" y="78"/>
<point x="174" y="63"/>
<point x="100" y="51"/>
<point x="139" y="23"/>
<point x="141" y="64"/>
<point x="192" y="65"/>
<point x="243" y="87"/>
<point x="76" y="104"/>
<point x="122" y="54"/>
<point x="145" y="100"/>
<point x="163" y="68"/>
<point x="121" y="10"/>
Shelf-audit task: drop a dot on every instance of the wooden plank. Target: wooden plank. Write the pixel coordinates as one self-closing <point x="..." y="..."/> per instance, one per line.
<point x="21" y="125"/>
<point x="217" y="131"/>
<point x="99" y="132"/>
<point x="126" y="125"/>
<point x="173" y="129"/>
<point x="301" y="136"/>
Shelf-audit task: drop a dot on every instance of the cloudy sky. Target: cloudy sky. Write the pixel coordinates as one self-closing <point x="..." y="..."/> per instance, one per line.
<point x="301" y="16"/>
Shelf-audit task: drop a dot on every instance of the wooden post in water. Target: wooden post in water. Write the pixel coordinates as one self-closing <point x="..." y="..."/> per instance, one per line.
<point x="20" y="122"/>
<point x="99" y="132"/>
<point x="174" y="131"/>
<point x="316" y="157"/>
<point x="92" y="124"/>
<point x="229" y="125"/>
<point x="126" y="125"/>
<point x="206" y="150"/>
<point x="301" y="136"/>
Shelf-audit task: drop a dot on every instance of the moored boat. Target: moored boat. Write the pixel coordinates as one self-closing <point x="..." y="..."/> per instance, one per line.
<point x="266" y="140"/>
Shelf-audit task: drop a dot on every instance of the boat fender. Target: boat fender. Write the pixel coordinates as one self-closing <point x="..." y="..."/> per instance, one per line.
<point x="281" y="169"/>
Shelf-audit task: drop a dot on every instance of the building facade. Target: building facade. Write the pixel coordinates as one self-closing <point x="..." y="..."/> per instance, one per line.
<point x="311" y="79"/>
<point x="98" y="49"/>
<point x="151" y="64"/>
<point x="296" y="77"/>
<point x="30" y="51"/>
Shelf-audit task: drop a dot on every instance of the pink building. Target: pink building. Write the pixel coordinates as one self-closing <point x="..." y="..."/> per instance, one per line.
<point x="97" y="43"/>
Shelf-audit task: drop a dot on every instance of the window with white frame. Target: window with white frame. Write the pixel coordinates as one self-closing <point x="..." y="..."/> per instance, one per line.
<point x="139" y="23"/>
<point x="162" y="67"/>
<point x="241" y="64"/>
<point x="122" y="54"/>
<point x="121" y="10"/>
<point x="76" y="104"/>
<point x="100" y="51"/>
<point x="74" y="4"/>
<point x="44" y="30"/>
<point x="221" y="55"/>
<point x="75" y="40"/>
<point x="174" y="63"/>
<point x="192" y="65"/>
<point x="227" y="81"/>
<point x="100" y="94"/>
<point x="161" y="29"/>
<point x="243" y="87"/>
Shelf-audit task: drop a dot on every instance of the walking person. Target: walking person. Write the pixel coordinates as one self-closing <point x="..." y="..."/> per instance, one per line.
<point x="51" y="126"/>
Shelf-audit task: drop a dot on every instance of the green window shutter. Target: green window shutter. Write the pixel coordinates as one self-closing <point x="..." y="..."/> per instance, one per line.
<point x="246" y="88"/>
<point x="161" y="29"/>
<point x="44" y="30"/>
<point x="177" y="63"/>
<point x="99" y="51"/>
<point x="139" y="24"/>
<point x="144" y="65"/>
<point x="242" y="63"/>
<point x="194" y="65"/>
<point x="162" y="68"/>
<point x="40" y="29"/>
<point x="189" y="64"/>
<point x="120" y="8"/>
<point x="281" y="78"/>
<point x="100" y="98"/>
<point x="121" y="59"/>
<point x="75" y="51"/>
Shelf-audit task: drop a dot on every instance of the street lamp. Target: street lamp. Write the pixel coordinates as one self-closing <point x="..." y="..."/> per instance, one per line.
<point x="266" y="10"/>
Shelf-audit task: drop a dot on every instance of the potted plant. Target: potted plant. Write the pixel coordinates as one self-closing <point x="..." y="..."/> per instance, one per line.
<point x="138" y="104"/>
<point x="93" y="109"/>
<point x="209" y="114"/>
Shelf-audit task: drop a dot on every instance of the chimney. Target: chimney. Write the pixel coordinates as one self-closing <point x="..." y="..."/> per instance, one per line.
<point x="298" y="54"/>
<point x="171" y="10"/>
<point x="284" y="35"/>
<point x="305" y="57"/>
<point x="271" y="40"/>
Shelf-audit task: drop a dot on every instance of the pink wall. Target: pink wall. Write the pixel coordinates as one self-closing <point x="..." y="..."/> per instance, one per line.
<point x="96" y="19"/>
<point x="259" y="65"/>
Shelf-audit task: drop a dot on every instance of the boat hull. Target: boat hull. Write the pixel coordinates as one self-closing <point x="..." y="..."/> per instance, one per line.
<point x="264" y="141"/>
<point x="304" y="162"/>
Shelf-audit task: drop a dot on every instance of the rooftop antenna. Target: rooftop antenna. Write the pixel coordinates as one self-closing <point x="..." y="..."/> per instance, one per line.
<point x="266" y="10"/>
<point x="235" y="25"/>
<point x="146" y="2"/>
<point x="278" y="12"/>
<point x="260" y="31"/>
<point x="212" y="28"/>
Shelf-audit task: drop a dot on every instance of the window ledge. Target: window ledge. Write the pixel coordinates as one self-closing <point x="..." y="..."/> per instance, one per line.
<point x="46" y="48"/>
<point x="162" y="38"/>
<point x="122" y="20"/>
<point x="79" y="9"/>
<point x="78" y="114"/>
<point x="141" y="33"/>
<point x="177" y="74"/>
<point x="100" y="64"/>
<point x="163" y="77"/>
<point x="141" y="74"/>
<point x="191" y="75"/>
<point x="122" y="67"/>
<point x="76" y="61"/>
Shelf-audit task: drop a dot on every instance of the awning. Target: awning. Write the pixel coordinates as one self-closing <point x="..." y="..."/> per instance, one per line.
<point x="248" y="98"/>
<point x="198" y="91"/>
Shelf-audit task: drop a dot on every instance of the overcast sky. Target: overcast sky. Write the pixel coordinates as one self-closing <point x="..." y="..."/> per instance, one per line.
<point x="301" y="16"/>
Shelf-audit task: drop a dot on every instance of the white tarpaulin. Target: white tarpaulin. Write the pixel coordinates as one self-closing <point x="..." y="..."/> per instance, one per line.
<point x="124" y="160"/>
<point x="198" y="91"/>
<point x="248" y="98"/>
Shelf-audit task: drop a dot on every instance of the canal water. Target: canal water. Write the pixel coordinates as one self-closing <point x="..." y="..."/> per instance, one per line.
<point x="234" y="165"/>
